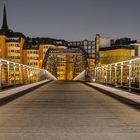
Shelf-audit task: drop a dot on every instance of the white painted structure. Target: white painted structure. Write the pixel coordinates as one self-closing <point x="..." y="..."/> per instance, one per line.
<point x="26" y="74"/>
<point x="123" y="74"/>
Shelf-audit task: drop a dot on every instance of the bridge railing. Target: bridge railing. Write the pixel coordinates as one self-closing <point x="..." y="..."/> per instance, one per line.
<point x="81" y="76"/>
<point x="12" y="74"/>
<point x="121" y="74"/>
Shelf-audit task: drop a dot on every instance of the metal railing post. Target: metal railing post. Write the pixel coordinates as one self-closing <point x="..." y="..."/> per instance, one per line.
<point x="122" y="74"/>
<point x="0" y="74"/>
<point x="95" y="74"/>
<point x="14" y="74"/>
<point x="102" y="70"/>
<point x="22" y="73"/>
<point x="115" y="74"/>
<point x="8" y="73"/>
<point x="26" y="69"/>
<point x="31" y="74"/>
<point x="106" y="74"/>
<point x="19" y="68"/>
<point x="98" y="74"/>
<point x="110" y="74"/>
<point x="139" y="74"/>
<point x="130" y="74"/>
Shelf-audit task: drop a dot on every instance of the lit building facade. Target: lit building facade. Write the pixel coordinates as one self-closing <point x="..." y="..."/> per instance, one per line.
<point x="35" y="52"/>
<point x="136" y="45"/>
<point x="16" y="47"/>
<point x="89" y="46"/>
<point x="119" y="53"/>
<point x="119" y="49"/>
<point x="11" y="43"/>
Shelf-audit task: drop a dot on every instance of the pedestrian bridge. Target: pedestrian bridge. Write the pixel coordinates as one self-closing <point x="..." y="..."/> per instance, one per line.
<point x="125" y="74"/>
<point x="47" y="108"/>
<point x="68" y="110"/>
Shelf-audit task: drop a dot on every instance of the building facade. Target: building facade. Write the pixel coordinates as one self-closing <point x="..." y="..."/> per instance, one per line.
<point x="11" y="43"/>
<point x="88" y="46"/>
<point x="64" y="64"/>
<point x="119" y="49"/>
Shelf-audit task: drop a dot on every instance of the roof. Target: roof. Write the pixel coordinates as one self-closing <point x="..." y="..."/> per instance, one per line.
<point x="34" y="43"/>
<point x="117" y="47"/>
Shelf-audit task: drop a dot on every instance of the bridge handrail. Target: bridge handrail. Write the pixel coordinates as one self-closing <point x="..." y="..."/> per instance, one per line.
<point x="13" y="73"/>
<point x="119" y="62"/>
<point x="124" y="73"/>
